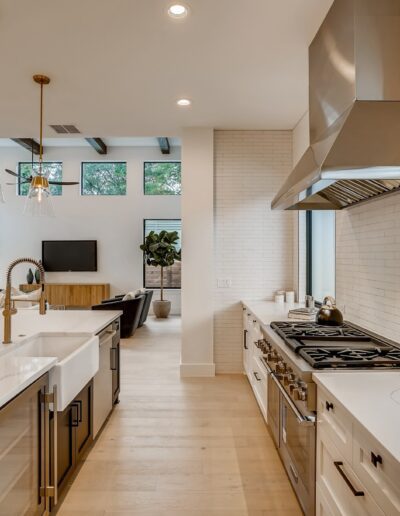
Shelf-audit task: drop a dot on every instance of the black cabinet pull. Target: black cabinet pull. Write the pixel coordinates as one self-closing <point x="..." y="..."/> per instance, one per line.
<point x="74" y="417"/>
<point x="338" y="466"/>
<point x="256" y="376"/>
<point x="328" y="405"/>
<point x="113" y="359"/>
<point x="245" y="339"/>
<point x="375" y="459"/>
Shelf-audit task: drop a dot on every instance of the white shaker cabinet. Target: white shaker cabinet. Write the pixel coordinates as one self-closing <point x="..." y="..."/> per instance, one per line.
<point x="355" y="476"/>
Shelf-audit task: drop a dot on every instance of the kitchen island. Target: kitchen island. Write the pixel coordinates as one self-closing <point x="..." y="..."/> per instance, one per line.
<point x="59" y="380"/>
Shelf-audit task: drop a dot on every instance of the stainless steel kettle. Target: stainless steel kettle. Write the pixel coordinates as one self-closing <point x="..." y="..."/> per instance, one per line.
<point x="328" y="314"/>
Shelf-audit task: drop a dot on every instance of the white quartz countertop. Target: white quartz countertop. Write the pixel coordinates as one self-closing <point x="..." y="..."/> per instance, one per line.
<point x="269" y="311"/>
<point x="17" y="372"/>
<point x="373" y="399"/>
<point x="26" y="323"/>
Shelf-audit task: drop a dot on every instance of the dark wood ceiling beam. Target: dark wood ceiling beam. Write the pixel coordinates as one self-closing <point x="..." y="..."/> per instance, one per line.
<point x="98" y="145"/>
<point x="28" y="144"/>
<point x="165" y="147"/>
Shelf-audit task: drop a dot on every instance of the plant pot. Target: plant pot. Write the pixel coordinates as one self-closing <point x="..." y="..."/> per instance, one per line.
<point x="161" y="309"/>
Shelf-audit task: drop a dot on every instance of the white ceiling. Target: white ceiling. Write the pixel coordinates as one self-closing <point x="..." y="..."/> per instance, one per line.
<point x="117" y="67"/>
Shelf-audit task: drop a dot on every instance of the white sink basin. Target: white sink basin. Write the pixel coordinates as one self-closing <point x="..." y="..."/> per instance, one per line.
<point x="77" y="361"/>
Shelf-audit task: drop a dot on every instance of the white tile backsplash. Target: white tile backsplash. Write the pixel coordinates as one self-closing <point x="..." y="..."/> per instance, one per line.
<point x="253" y="245"/>
<point x="368" y="264"/>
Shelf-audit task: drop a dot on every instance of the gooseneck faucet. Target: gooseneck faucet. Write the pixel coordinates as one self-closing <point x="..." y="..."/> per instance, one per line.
<point x="10" y="310"/>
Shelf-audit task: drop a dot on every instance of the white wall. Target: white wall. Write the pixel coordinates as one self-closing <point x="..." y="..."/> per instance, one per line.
<point x="367" y="265"/>
<point x="115" y="222"/>
<point x="197" y="252"/>
<point x="253" y="244"/>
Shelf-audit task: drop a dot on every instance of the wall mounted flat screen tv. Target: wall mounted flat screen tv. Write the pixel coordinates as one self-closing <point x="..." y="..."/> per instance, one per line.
<point x="69" y="255"/>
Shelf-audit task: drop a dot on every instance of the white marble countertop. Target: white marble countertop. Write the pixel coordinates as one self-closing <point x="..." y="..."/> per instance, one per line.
<point x="26" y="323"/>
<point x="17" y="372"/>
<point x="268" y="311"/>
<point x="372" y="398"/>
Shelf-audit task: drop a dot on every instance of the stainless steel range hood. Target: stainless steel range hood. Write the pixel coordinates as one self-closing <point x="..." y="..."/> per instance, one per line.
<point x="354" y="77"/>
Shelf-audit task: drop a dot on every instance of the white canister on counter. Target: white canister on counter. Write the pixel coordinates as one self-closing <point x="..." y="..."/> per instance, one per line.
<point x="289" y="297"/>
<point x="279" y="298"/>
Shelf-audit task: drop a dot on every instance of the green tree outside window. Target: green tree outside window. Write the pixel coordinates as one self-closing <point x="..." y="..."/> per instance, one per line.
<point x="162" y="178"/>
<point x="103" y="178"/>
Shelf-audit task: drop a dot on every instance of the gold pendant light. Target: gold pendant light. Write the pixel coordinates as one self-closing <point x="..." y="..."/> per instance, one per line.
<point x="38" y="201"/>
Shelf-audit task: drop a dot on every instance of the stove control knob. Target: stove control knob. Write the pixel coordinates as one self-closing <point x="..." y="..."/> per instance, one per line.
<point x="287" y="377"/>
<point x="280" y="367"/>
<point x="274" y="357"/>
<point x="292" y="377"/>
<point x="293" y="387"/>
<point x="300" y="394"/>
<point x="296" y="393"/>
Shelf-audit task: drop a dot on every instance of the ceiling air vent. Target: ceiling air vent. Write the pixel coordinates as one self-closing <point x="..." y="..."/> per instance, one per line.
<point x="65" y="129"/>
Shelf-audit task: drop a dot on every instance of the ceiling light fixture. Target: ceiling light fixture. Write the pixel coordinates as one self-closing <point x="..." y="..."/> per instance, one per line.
<point x="178" y="11"/>
<point x="38" y="201"/>
<point x="184" y="102"/>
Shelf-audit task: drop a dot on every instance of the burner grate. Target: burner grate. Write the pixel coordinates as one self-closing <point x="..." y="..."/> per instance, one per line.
<point x="351" y="357"/>
<point x="333" y="347"/>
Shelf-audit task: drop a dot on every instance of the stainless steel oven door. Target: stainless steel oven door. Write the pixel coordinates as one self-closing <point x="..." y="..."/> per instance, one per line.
<point x="297" y="449"/>
<point x="273" y="408"/>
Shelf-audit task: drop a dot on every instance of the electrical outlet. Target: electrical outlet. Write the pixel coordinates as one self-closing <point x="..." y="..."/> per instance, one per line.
<point x="224" y="283"/>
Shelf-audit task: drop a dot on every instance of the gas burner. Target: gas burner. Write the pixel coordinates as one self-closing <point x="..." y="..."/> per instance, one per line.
<point x="335" y="357"/>
<point x="312" y="329"/>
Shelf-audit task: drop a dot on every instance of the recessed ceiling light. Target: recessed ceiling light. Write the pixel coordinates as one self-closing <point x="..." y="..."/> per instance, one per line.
<point x="178" y="11"/>
<point x="183" y="102"/>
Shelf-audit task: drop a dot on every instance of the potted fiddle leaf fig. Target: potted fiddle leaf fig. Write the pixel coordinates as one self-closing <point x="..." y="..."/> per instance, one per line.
<point x="160" y="250"/>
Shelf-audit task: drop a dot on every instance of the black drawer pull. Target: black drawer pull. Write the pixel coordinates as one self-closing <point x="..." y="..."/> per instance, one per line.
<point x="245" y="339"/>
<point x="74" y="416"/>
<point x="338" y="466"/>
<point x="256" y="376"/>
<point x="328" y="405"/>
<point x="375" y="459"/>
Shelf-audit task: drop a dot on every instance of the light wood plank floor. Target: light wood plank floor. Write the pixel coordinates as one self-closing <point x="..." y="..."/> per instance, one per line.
<point x="180" y="447"/>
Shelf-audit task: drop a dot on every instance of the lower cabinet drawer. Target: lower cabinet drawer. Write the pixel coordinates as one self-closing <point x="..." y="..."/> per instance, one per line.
<point x="377" y="470"/>
<point x="343" y="491"/>
<point x="334" y="420"/>
<point x="260" y="384"/>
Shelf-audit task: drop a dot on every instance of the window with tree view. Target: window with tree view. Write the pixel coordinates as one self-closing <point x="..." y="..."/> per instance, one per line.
<point x="162" y="178"/>
<point x="151" y="274"/>
<point x="51" y="169"/>
<point x="103" y="178"/>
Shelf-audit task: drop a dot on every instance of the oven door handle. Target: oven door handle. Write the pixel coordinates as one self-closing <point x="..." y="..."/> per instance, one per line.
<point x="303" y="421"/>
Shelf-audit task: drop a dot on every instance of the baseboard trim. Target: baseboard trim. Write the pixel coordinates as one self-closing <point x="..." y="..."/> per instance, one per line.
<point x="197" y="370"/>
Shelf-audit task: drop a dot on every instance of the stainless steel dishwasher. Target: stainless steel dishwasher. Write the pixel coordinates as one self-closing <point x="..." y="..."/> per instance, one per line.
<point x="102" y="382"/>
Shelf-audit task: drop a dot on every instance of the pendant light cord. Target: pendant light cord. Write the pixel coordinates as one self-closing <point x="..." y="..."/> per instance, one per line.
<point x="41" y="130"/>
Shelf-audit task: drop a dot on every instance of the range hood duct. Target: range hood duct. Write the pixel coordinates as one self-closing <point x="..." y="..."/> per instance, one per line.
<point x="354" y="76"/>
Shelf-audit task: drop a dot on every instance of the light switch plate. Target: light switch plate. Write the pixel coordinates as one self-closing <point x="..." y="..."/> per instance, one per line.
<point x="224" y="282"/>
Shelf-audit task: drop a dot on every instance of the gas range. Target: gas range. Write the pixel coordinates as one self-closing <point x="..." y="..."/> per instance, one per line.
<point x="344" y="346"/>
<point x="305" y="347"/>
